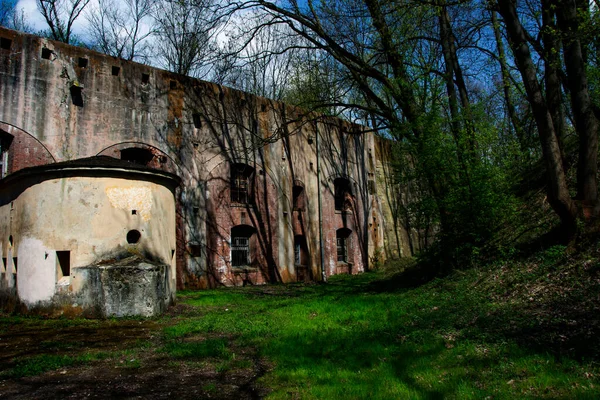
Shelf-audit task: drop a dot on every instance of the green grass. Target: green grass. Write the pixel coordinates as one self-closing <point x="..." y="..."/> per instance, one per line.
<point x="521" y="328"/>
<point x="39" y="364"/>
<point x="359" y="337"/>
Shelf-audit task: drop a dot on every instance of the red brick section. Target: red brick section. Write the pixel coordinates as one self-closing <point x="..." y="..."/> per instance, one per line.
<point x="334" y="220"/>
<point x="261" y="215"/>
<point x="25" y="151"/>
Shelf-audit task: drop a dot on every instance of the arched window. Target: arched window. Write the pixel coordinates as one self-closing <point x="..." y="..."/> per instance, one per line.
<point x="343" y="194"/>
<point x="343" y="240"/>
<point x="137" y="155"/>
<point x="242" y="177"/>
<point x="242" y="246"/>
<point x="298" y="200"/>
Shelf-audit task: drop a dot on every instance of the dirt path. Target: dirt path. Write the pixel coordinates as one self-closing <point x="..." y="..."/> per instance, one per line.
<point x="114" y="359"/>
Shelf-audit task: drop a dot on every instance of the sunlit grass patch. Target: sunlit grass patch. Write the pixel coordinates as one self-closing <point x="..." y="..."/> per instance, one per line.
<point x="351" y="339"/>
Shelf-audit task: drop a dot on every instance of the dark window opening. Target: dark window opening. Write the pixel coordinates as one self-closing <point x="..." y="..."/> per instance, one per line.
<point x="145" y="79"/>
<point x="133" y="236"/>
<point x="343" y="194"/>
<point x="46" y="53"/>
<point x="4" y="263"/>
<point x="64" y="262"/>
<point x="241" y="183"/>
<point x="15" y="263"/>
<point x="241" y="245"/>
<point x="5" y="43"/>
<point x="10" y="240"/>
<point x="77" y="96"/>
<point x="300" y="251"/>
<point x="115" y="71"/>
<point x="298" y="198"/>
<point x="173" y="84"/>
<point x="195" y="250"/>
<point x="197" y="120"/>
<point x="342" y="237"/>
<point x="133" y="212"/>
<point x="137" y="156"/>
<point x="83" y="62"/>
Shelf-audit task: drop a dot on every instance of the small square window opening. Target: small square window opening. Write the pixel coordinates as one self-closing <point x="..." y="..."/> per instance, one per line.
<point x="5" y="43"/>
<point x="46" y="53"/>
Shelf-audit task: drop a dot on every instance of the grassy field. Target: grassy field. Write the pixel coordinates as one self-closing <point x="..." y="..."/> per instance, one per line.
<point x="511" y="330"/>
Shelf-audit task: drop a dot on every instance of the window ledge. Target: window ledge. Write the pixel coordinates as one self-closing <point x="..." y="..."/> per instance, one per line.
<point x="242" y="205"/>
<point x="243" y="269"/>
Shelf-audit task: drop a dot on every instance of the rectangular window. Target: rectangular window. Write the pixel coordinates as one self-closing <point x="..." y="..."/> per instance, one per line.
<point x="342" y="249"/>
<point x="63" y="260"/>
<point x="3" y="159"/>
<point x="240" y="185"/>
<point x="195" y="250"/>
<point x="46" y="53"/>
<point x="197" y="120"/>
<point x="300" y="251"/>
<point x="5" y="43"/>
<point x="297" y="254"/>
<point x="240" y="251"/>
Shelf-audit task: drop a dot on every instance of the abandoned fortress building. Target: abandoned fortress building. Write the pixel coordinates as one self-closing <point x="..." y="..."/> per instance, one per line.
<point x="122" y="182"/>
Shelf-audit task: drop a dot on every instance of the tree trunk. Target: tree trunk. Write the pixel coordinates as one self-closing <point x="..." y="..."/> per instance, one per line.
<point x="558" y="191"/>
<point x="510" y="107"/>
<point x="551" y="78"/>
<point x="586" y="123"/>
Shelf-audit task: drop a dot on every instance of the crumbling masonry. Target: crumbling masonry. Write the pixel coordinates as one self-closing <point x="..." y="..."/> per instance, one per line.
<point x="115" y="171"/>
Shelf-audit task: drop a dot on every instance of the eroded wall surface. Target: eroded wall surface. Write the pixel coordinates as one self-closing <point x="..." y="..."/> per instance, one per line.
<point x="70" y="103"/>
<point x="58" y="230"/>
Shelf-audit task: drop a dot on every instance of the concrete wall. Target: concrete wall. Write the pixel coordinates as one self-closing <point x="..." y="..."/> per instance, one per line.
<point x="198" y="130"/>
<point x="89" y="218"/>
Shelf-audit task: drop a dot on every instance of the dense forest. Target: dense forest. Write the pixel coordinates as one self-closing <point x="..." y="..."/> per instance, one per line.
<point x="483" y="101"/>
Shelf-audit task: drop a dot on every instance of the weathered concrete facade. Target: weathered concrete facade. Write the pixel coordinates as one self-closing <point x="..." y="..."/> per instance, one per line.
<point x="69" y="226"/>
<point x="268" y="194"/>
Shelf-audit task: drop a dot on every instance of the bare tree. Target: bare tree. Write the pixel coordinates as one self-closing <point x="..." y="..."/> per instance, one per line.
<point x="185" y="32"/>
<point x="7" y="10"/>
<point x="119" y="28"/>
<point x="60" y="15"/>
<point x="13" y="18"/>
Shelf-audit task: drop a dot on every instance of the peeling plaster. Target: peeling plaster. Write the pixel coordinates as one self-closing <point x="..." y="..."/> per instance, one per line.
<point x="134" y="198"/>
